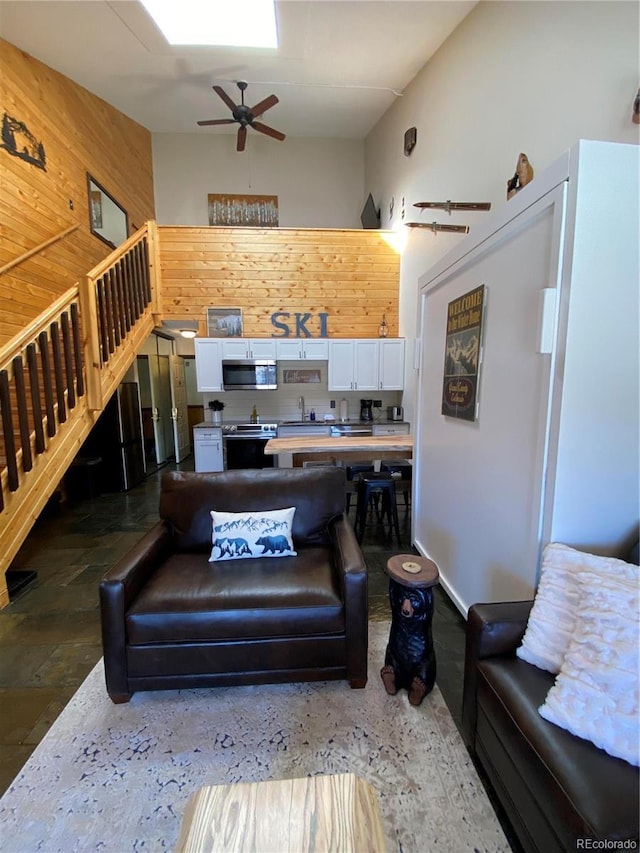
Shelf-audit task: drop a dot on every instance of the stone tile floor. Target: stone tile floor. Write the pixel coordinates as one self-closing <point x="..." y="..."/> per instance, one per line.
<point x="50" y="632"/>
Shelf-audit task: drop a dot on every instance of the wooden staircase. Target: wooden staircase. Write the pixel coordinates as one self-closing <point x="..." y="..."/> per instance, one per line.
<point x="57" y="375"/>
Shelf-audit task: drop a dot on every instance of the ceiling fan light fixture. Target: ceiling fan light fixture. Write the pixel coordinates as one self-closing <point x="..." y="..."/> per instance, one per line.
<point x="233" y="23"/>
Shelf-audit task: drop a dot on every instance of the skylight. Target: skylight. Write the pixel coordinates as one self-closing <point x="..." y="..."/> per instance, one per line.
<point x="237" y="23"/>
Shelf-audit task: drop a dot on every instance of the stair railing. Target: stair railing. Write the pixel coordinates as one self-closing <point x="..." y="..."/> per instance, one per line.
<point x="59" y="372"/>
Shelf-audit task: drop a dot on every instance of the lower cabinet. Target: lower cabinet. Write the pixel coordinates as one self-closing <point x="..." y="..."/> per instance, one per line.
<point x="207" y="449"/>
<point x="390" y="429"/>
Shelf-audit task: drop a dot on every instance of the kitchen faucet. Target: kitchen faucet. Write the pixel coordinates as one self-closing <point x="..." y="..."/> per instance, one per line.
<point x="301" y="407"/>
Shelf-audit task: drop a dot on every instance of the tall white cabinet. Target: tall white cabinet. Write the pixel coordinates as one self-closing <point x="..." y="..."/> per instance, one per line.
<point x="553" y="454"/>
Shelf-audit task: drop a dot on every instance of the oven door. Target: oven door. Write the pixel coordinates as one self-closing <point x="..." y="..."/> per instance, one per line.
<point x="246" y="453"/>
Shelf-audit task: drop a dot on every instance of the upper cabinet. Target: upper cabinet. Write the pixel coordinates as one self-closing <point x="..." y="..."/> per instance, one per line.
<point x="208" y="364"/>
<point x="366" y="364"/>
<point x="360" y="364"/>
<point x="299" y="349"/>
<point x="391" y="364"/>
<point x="248" y="348"/>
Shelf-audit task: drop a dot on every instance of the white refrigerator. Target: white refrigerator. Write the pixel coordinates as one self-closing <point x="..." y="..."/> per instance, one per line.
<point x="552" y="452"/>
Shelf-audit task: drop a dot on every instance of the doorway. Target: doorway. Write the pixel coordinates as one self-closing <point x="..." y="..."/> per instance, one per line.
<point x="154" y="373"/>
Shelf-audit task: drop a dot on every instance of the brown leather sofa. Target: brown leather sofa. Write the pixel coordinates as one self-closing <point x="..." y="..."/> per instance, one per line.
<point x="555" y="788"/>
<point x="172" y="619"/>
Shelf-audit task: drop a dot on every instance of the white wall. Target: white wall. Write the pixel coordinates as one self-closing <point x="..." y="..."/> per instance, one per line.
<point x="319" y="182"/>
<point x="525" y="76"/>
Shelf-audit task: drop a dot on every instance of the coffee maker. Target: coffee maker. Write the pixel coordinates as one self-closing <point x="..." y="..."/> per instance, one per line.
<point x="366" y="410"/>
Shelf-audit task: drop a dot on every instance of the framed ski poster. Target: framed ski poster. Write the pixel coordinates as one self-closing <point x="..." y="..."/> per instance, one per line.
<point x="462" y="355"/>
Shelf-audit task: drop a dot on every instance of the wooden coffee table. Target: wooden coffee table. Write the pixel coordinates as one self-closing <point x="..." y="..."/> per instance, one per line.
<point x="312" y="815"/>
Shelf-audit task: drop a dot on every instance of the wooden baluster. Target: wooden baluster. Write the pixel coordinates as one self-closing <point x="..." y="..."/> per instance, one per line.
<point x="45" y="358"/>
<point x="102" y="319"/>
<point x="7" y="431"/>
<point x="57" y="370"/>
<point x="126" y="289"/>
<point x="34" y="383"/>
<point x="23" y="413"/>
<point x="68" y="359"/>
<point x="139" y="276"/>
<point x="115" y="302"/>
<point x="108" y="304"/>
<point x="77" y="349"/>
<point x="125" y="322"/>
<point x="131" y="289"/>
<point x="145" y="267"/>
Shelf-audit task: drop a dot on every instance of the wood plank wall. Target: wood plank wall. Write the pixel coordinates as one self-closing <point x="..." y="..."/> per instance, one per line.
<point x="80" y="133"/>
<point x="353" y="276"/>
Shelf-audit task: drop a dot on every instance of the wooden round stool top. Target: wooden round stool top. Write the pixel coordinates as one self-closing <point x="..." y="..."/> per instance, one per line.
<point x="413" y="571"/>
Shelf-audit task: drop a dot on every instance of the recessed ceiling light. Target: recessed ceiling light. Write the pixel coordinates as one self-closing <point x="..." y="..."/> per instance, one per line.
<point x="237" y="23"/>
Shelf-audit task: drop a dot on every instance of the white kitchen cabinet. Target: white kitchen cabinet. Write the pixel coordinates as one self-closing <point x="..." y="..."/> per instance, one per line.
<point x="353" y="365"/>
<point x="208" y="364"/>
<point x="299" y="349"/>
<point x="207" y="449"/>
<point x="248" y="348"/>
<point x="366" y="364"/>
<point x="340" y="376"/>
<point x="391" y="364"/>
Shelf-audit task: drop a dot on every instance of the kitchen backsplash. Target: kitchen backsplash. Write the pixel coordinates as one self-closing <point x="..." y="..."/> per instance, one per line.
<point x="284" y="404"/>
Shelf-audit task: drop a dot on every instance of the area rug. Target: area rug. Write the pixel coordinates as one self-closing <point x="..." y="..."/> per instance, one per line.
<point x="116" y="778"/>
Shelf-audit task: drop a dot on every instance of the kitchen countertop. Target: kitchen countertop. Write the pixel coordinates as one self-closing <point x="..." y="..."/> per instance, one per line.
<point x="210" y="424"/>
<point x="347" y="448"/>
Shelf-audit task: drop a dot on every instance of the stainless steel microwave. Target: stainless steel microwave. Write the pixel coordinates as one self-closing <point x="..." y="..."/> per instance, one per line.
<point x="249" y="374"/>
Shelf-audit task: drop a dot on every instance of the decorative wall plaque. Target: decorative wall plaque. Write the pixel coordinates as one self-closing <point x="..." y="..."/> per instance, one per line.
<point x="254" y="210"/>
<point x="18" y="140"/>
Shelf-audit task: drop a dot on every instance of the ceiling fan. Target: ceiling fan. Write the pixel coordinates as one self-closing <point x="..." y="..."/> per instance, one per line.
<point x="245" y="116"/>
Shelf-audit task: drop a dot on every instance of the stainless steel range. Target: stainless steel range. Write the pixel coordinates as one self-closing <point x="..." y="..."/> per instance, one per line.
<point x="243" y="445"/>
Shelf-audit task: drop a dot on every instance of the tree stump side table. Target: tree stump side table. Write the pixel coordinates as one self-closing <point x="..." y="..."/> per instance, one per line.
<point x="410" y="660"/>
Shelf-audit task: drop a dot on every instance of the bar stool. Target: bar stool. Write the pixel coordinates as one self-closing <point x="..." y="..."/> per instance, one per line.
<point x="353" y="472"/>
<point x="400" y="469"/>
<point x="371" y="487"/>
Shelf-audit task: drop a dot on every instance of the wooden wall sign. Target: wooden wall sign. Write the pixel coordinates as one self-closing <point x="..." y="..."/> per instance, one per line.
<point x="282" y="320"/>
<point x="239" y="210"/>
<point x="18" y="140"/>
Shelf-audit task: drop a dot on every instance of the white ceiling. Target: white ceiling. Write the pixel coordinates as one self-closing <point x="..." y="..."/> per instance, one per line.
<point x="340" y="65"/>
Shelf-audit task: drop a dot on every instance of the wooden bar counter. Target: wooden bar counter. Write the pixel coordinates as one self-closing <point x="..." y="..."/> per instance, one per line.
<point x="342" y="448"/>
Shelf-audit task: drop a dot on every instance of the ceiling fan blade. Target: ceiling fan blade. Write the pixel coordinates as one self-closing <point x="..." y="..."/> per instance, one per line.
<point x="216" y="121"/>
<point x="221" y="92"/>
<point x="264" y="105"/>
<point x="242" y="138"/>
<point x="264" y="128"/>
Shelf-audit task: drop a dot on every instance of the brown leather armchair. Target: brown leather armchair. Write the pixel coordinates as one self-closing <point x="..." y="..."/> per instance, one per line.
<point x="171" y="619"/>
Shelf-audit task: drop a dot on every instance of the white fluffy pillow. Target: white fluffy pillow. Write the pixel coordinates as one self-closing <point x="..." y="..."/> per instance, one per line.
<point x="553" y="615"/>
<point x="240" y="535"/>
<point x="596" y="694"/>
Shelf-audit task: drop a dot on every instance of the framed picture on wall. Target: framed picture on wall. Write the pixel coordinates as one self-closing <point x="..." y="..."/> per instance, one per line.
<point x="224" y="322"/>
<point x="462" y="355"/>
<point x="253" y="210"/>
